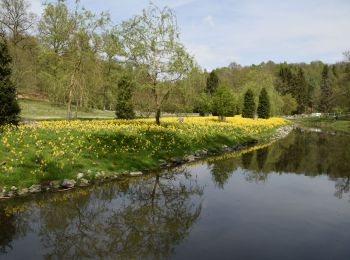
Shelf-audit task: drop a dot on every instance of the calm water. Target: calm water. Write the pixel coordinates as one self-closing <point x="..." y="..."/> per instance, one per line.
<point x="286" y="201"/>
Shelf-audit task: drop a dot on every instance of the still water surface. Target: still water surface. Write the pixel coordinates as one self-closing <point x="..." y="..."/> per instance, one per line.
<point x="289" y="200"/>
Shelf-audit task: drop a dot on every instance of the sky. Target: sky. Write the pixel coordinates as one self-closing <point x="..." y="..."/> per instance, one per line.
<point x="218" y="32"/>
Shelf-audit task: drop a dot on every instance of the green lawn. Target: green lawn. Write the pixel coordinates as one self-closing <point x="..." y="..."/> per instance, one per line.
<point x="328" y="124"/>
<point x="41" y="109"/>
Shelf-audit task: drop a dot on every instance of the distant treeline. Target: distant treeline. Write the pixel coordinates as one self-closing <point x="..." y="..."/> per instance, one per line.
<point x="73" y="56"/>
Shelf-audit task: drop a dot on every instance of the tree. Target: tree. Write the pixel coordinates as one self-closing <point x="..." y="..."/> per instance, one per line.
<point x="124" y="106"/>
<point x="264" y="106"/>
<point x="301" y="91"/>
<point x="289" y="104"/>
<point x="151" y="44"/>
<point x="112" y="48"/>
<point x="56" y="26"/>
<point x="326" y="91"/>
<point x="9" y="108"/>
<point x="249" y="104"/>
<point x="212" y="83"/>
<point x="203" y="104"/>
<point x="15" y="19"/>
<point x="223" y="103"/>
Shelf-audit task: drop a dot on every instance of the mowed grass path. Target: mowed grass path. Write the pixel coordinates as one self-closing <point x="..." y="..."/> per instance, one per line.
<point x="42" y="109"/>
<point x="55" y="150"/>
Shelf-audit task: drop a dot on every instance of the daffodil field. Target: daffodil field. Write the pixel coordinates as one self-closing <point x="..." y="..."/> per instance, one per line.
<point x="54" y="150"/>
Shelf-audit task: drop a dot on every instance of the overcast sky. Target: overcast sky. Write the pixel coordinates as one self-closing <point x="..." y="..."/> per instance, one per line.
<point x="218" y="32"/>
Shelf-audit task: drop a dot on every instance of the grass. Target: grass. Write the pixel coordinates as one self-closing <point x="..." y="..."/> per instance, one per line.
<point x="55" y="150"/>
<point x="326" y="123"/>
<point x="42" y="109"/>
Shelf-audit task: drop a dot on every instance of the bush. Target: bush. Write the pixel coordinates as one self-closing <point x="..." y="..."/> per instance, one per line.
<point x="203" y="104"/>
<point x="223" y="103"/>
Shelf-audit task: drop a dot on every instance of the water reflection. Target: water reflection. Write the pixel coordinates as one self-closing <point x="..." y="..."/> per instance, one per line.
<point x="138" y="219"/>
<point x="306" y="153"/>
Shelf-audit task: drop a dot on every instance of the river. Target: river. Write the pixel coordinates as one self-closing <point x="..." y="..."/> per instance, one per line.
<point x="288" y="200"/>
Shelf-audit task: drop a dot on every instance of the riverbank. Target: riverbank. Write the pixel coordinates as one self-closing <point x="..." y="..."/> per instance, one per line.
<point x="330" y="124"/>
<point x="62" y="154"/>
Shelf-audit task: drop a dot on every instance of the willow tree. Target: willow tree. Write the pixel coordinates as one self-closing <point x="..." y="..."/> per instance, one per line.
<point x="151" y="45"/>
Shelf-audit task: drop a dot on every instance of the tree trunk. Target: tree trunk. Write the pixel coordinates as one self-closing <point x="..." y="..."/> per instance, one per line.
<point x="69" y="104"/>
<point x="71" y="86"/>
<point x="158" y="115"/>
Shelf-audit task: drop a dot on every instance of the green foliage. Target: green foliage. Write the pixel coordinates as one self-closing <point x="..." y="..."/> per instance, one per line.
<point x="289" y="104"/>
<point x="223" y="102"/>
<point x="212" y="83"/>
<point x="203" y="104"/>
<point x="326" y="92"/>
<point x="9" y="108"/>
<point x="292" y="80"/>
<point x="264" y="106"/>
<point x="124" y="106"/>
<point x="248" y="105"/>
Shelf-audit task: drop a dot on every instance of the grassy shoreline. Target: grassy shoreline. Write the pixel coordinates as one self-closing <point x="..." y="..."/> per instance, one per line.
<point x="56" y="150"/>
<point x="341" y="125"/>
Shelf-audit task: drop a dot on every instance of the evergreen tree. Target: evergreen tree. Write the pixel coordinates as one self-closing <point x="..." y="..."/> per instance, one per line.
<point x="301" y="91"/>
<point x="212" y="83"/>
<point x="9" y="108"/>
<point x="326" y="91"/>
<point x="124" y="106"/>
<point x="249" y="104"/>
<point x="264" y="105"/>
<point x="285" y="80"/>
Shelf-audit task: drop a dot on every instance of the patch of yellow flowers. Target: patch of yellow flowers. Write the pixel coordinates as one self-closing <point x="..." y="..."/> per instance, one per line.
<point x="36" y="147"/>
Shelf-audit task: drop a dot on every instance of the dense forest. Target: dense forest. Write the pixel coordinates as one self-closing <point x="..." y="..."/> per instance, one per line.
<point x="73" y="56"/>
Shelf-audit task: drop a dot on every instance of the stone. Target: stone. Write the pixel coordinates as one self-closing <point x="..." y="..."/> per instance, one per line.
<point x="80" y="175"/>
<point x="23" y="192"/>
<point x="177" y="161"/>
<point x="99" y="175"/>
<point x="68" y="184"/>
<point x="83" y="182"/>
<point x="189" y="158"/>
<point x="55" y="184"/>
<point x="10" y="194"/>
<point x="35" y="188"/>
<point x="134" y="174"/>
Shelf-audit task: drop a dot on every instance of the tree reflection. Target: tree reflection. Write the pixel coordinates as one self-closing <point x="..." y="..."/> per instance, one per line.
<point x="146" y="220"/>
<point x="12" y="227"/>
<point x="247" y="159"/>
<point x="342" y="186"/>
<point x="222" y="170"/>
<point x="261" y="156"/>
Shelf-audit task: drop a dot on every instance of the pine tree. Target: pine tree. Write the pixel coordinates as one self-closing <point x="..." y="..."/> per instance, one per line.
<point x="326" y="91"/>
<point x="301" y="91"/>
<point x="264" y="105"/>
<point x="9" y="108"/>
<point x="249" y="104"/>
<point x="212" y="83"/>
<point x="124" y="106"/>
